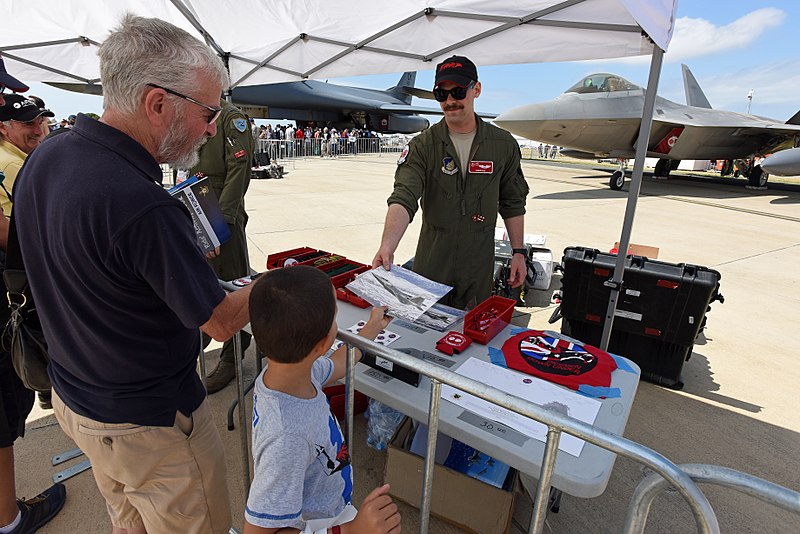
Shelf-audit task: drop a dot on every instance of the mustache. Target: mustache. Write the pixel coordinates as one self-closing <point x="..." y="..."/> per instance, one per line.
<point x="453" y="107"/>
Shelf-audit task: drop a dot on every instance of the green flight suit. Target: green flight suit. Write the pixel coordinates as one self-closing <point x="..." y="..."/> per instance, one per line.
<point x="227" y="159"/>
<point x="459" y="213"/>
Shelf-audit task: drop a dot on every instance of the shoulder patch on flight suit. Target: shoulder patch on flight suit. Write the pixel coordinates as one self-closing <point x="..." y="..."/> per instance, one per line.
<point x="449" y="165"/>
<point x="403" y="155"/>
<point x="240" y="124"/>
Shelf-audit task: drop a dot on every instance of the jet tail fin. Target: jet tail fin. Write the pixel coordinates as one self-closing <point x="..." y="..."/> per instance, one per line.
<point x="405" y="89"/>
<point x="694" y="95"/>
<point x="795" y="119"/>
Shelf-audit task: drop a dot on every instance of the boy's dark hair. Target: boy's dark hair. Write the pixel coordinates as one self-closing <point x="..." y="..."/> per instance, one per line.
<point x="291" y="310"/>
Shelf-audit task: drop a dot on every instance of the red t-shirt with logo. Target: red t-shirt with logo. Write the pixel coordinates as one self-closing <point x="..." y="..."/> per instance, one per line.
<point x="557" y="360"/>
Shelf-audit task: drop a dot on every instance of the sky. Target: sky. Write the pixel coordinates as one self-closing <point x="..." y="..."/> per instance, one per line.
<point x="731" y="46"/>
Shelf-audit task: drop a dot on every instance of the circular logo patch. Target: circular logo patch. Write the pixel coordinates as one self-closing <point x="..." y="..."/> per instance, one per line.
<point x="554" y="356"/>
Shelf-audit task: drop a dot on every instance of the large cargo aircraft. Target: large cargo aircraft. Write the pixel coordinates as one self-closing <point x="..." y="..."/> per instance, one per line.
<point x="599" y="117"/>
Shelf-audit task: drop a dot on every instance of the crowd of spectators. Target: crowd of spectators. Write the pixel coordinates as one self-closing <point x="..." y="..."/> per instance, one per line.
<point x="285" y="140"/>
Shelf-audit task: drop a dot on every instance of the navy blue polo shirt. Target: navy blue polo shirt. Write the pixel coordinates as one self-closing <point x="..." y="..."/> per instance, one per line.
<point x="119" y="281"/>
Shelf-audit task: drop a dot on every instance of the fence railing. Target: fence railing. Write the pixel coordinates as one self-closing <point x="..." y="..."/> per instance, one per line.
<point x="664" y="471"/>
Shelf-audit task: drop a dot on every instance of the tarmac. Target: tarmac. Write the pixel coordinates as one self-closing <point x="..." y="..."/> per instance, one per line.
<point x="738" y="408"/>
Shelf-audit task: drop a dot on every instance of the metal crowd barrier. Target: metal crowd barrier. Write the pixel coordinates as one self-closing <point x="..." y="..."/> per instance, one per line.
<point x="282" y="149"/>
<point x="664" y="472"/>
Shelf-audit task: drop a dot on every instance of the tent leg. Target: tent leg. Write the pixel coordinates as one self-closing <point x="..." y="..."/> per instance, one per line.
<point x="633" y="194"/>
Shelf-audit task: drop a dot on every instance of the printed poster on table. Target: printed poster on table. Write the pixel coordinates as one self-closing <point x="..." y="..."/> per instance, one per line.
<point x="527" y="387"/>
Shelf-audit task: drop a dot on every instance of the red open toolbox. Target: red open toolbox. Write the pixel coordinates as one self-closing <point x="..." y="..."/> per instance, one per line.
<point x="278" y="259"/>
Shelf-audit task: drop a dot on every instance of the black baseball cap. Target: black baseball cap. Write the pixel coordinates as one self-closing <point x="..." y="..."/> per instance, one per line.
<point x="9" y="81"/>
<point x="457" y="69"/>
<point x="19" y="108"/>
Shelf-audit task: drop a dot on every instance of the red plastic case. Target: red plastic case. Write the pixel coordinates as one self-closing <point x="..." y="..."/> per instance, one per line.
<point x="504" y="309"/>
<point x="274" y="261"/>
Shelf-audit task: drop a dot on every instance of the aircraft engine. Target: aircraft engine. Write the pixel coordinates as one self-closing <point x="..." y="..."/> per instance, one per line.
<point x="394" y="123"/>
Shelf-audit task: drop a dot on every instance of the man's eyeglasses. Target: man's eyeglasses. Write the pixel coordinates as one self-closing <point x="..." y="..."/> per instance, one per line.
<point x="458" y="93"/>
<point x="215" y="111"/>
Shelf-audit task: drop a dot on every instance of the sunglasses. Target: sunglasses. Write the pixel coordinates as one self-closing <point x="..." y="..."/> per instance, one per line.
<point x="215" y="111"/>
<point x="458" y="93"/>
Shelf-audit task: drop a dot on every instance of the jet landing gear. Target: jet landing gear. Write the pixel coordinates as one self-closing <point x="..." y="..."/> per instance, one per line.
<point x="618" y="177"/>
<point x="664" y="167"/>
<point x="757" y="178"/>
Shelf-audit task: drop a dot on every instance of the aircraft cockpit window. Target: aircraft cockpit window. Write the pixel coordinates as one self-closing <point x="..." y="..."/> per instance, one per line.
<point x="602" y="83"/>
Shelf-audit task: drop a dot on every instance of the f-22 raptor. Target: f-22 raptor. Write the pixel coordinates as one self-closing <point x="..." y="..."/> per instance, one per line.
<point x="600" y="115"/>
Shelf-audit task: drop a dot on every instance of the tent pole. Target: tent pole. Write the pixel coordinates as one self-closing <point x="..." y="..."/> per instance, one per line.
<point x="633" y="194"/>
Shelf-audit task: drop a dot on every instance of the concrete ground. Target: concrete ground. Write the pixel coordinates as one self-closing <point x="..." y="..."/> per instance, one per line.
<point x="738" y="407"/>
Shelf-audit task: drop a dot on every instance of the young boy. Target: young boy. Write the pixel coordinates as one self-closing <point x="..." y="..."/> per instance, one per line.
<point x="303" y="480"/>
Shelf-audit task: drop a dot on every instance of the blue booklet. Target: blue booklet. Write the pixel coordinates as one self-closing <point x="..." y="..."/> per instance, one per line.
<point x="473" y="463"/>
<point x="209" y="224"/>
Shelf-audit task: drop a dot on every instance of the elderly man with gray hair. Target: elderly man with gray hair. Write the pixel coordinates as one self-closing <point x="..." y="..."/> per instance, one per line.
<point x="122" y="287"/>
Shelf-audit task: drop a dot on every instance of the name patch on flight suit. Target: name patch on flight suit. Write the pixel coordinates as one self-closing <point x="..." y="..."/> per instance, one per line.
<point x="240" y="154"/>
<point x="449" y="166"/>
<point x="481" y="167"/>
<point x="240" y="124"/>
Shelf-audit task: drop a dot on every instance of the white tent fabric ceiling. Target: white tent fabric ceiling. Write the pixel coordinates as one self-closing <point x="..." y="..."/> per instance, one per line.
<point x="272" y="41"/>
<point x="284" y="40"/>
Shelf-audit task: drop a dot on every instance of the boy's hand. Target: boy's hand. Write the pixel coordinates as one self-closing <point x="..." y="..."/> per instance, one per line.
<point x="377" y="515"/>
<point x="377" y="322"/>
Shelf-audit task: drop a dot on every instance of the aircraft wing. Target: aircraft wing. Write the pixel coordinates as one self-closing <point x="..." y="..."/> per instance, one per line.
<point x="404" y="108"/>
<point x="705" y="134"/>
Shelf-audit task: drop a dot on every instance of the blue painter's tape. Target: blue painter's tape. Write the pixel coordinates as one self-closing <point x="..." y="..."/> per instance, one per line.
<point x="622" y="364"/>
<point x="599" y="392"/>
<point x="497" y="357"/>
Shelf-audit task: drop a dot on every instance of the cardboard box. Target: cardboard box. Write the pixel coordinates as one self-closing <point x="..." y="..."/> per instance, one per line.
<point x="541" y="259"/>
<point x="640" y="250"/>
<point x="209" y="223"/>
<point x="458" y="499"/>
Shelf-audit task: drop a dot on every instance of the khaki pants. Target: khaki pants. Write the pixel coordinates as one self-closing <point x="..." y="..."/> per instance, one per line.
<point x="169" y="479"/>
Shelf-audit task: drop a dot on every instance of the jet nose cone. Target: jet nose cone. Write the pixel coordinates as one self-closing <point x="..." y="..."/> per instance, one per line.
<point x="526" y="121"/>
<point x="530" y="112"/>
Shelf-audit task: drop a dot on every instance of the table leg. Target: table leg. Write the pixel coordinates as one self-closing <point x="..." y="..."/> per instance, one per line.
<point x="349" y="387"/>
<point x="430" y="456"/>
<point x="237" y="356"/>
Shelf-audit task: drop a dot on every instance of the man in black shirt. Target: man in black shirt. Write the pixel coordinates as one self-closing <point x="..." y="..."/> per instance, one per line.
<point x="122" y="287"/>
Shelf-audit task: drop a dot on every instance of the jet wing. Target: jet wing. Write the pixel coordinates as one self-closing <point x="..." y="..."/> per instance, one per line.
<point x="401" y="108"/>
<point x="718" y="135"/>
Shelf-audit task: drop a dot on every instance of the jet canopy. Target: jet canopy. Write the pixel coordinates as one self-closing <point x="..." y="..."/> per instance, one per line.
<point x="602" y="83"/>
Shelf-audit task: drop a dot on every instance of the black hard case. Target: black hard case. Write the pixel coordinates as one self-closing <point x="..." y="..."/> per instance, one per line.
<point x="661" y="308"/>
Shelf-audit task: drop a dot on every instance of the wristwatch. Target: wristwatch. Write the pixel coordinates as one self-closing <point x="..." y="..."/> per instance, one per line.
<point x="523" y="251"/>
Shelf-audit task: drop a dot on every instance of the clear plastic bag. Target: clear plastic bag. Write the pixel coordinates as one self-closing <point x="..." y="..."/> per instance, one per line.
<point x="382" y="421"/>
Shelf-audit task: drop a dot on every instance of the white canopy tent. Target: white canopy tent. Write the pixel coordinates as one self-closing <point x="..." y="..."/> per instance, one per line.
<point x="287" y="40"/>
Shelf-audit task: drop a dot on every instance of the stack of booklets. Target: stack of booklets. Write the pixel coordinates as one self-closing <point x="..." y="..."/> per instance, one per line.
<point x="209" y="223"/>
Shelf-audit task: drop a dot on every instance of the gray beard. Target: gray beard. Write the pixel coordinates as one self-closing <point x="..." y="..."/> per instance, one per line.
<point x="173" y="151"/>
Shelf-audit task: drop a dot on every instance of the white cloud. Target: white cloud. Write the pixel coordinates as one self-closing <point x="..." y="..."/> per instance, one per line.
<point x="695" y="37"/>
<point x="775" y="89"/>
<point x="698" y="37"/>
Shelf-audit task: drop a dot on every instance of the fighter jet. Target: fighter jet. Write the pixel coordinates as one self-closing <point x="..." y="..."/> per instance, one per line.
<point x="599" y="117"/>
<point x="328" y="104"/>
